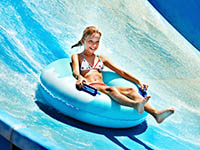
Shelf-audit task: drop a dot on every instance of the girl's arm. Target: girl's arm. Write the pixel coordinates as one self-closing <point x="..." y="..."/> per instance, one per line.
<point x="75" y="65"/>
<point x="122" y="73"/>
<point x="76" y="71"/>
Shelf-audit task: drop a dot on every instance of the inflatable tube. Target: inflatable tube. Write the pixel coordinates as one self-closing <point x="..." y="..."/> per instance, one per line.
<point x="59" y="91"/>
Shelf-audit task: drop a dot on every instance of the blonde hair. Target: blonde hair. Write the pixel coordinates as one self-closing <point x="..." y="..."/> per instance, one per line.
<point x="87" y="32"/>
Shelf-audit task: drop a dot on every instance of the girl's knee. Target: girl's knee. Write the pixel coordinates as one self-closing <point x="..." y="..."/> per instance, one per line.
<point x="131" y="90"/>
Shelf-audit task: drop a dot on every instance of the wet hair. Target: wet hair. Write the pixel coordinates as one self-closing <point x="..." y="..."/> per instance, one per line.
<point x="87" y="32"/>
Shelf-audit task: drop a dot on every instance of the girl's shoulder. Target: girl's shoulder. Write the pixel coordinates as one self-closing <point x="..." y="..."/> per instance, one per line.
<point x="77" y="55"/>
<point x="74" y="56"/>
<point x="103" y="58"/>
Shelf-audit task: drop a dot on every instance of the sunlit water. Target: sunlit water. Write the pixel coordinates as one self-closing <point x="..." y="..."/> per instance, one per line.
<point x="135" y="37"/>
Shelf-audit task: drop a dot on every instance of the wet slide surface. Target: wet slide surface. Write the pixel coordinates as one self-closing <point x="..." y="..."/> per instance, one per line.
<point x="36" y="33"/>
<point x="183" y="15"/>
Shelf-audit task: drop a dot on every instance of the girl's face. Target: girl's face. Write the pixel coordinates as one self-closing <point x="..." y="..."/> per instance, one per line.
<point x="91" y="43"/>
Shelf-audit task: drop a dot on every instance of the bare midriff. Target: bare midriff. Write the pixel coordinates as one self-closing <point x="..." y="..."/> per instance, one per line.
<point x="92" y="76"/>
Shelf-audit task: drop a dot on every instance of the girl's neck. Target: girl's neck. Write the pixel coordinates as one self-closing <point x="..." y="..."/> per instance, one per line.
<point x="88" y="54"/>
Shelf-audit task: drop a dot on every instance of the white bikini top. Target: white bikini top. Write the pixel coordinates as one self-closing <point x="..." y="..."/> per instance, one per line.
<point x="86" y="66"/>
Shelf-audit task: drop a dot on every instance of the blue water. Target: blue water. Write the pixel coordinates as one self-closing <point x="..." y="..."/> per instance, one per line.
<point x="135" y="37"/>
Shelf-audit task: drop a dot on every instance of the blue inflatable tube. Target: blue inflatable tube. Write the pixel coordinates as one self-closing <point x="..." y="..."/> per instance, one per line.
<point x="59" y="91"/>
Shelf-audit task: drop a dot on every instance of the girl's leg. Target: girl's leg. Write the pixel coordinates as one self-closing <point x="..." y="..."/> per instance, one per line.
<point x="130" y="93"/>
<point x="159" y="115"/>
<point x="115" y="94"/>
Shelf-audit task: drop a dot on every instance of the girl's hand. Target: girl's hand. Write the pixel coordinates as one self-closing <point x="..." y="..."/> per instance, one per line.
<point x="143" y="87"/>
<point x="79" y="83"/>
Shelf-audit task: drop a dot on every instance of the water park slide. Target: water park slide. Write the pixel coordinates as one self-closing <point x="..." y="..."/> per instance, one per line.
<point x="183" y="15"/>
<point x="136" y="36"/>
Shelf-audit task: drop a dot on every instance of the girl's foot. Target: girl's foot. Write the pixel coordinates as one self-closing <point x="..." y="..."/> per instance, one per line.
<point x="161" y="115"/>
<point x="140" y="105"/>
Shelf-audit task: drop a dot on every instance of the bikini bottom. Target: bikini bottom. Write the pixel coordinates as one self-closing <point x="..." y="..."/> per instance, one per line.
<point x="97" y="83"/>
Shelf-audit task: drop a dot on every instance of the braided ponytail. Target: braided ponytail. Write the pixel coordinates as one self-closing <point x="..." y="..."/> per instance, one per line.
<point x="87" y="32"/>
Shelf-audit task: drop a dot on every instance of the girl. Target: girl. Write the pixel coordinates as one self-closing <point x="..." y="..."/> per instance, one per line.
<point x="87" y="67"/>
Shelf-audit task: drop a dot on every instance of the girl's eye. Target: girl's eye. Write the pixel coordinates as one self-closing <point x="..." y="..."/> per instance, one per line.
<point x="91" y="42"/>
